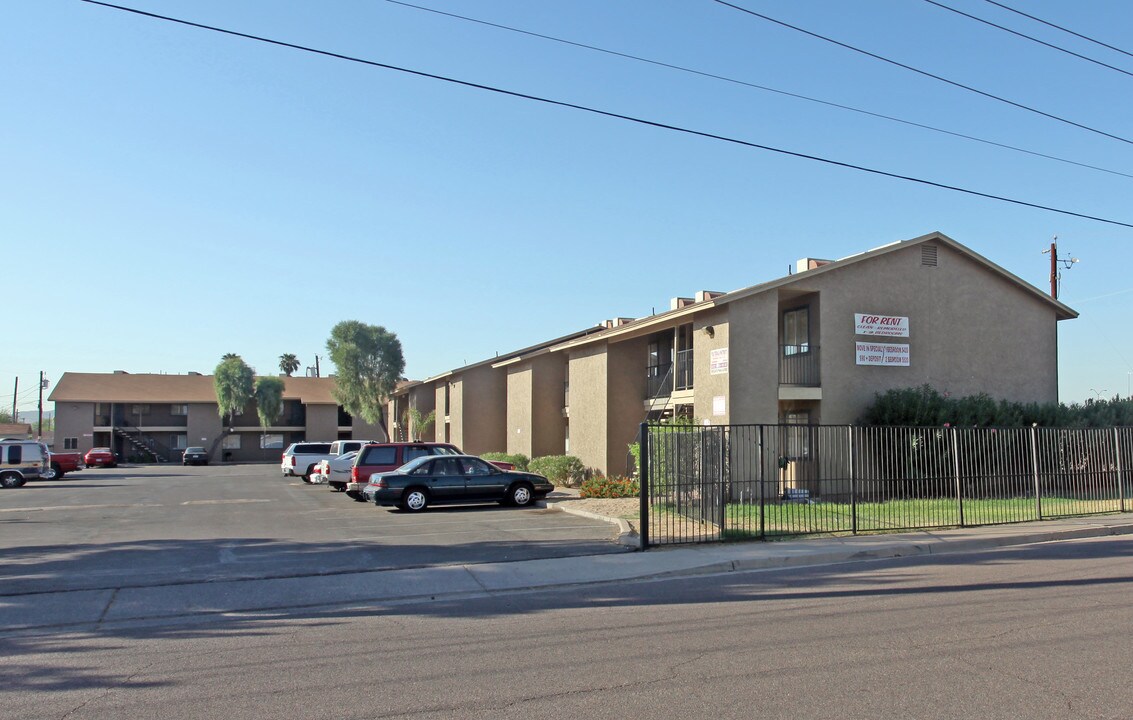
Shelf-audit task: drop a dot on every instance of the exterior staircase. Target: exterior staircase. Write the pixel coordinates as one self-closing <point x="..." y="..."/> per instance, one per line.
<point x="143" y="445"/>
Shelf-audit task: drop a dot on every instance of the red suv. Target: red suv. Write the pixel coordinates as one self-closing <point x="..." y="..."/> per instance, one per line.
<point x="384" y="457"/>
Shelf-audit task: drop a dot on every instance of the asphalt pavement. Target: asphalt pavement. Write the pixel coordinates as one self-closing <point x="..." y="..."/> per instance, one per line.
<point x="87" y="609"/>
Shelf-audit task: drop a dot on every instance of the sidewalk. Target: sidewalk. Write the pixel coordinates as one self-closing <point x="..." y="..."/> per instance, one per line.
<point x="92" y="608"/>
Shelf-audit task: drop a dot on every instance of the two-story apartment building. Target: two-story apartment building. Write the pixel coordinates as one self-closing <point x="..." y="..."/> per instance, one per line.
<point x="815" y="346"/>
<point x="153" y="417"/>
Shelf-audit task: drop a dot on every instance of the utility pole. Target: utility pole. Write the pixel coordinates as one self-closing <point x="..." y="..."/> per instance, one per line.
<point x="39" y="428"/>
<point x="15" y="394"/>
<point x="317" y="366"/>
<point x="1067" y="262"/>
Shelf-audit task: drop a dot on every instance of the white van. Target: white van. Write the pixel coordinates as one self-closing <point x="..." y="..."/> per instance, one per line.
<point x="22" y="460"/>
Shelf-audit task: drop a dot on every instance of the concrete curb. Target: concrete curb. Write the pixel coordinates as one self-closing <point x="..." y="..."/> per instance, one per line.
<point x="626" y="535"/>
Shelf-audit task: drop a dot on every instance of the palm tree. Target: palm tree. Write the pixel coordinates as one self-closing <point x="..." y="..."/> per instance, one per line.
<point x="229" y="356"/>
<point x="288" y="363"/>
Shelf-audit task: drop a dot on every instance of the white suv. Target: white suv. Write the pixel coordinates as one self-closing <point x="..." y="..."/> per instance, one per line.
<point x="22" y="460"/>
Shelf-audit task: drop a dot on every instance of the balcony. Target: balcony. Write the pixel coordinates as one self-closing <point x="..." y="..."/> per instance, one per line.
<point x="684" y="370"/>
<point x="659" y="380"/>
<point x="799" y="366"/>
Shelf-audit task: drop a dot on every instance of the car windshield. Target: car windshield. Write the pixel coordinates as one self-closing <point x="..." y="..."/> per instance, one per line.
<point x="443" y="450"/>
<point x="195" y="450"/>
<point x="100" y="450"/>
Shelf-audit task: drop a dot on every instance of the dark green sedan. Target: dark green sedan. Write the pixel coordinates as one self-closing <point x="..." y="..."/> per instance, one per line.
<point x="453" y="479"/>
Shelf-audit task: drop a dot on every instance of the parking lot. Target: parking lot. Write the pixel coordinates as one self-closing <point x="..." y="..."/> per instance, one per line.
<point x="154" y="525"/>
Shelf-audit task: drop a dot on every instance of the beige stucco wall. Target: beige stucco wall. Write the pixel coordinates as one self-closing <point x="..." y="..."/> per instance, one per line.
<point x="322" y="423"/>
<point x="74" y="420"/>
<point x="520" y="429"/>
<point x="753" y="360"/>
<point x="204" y="427"/>
<point x="423" y="398"/>
<point x="362" y="430"/>
<point x="626" y="401"/>
<point x="588" y="405"/>
<point x="483" y="410"/>
<point x="548" y="436"/>
<point x="707" y="386"/>
<point x="970" y="331"/>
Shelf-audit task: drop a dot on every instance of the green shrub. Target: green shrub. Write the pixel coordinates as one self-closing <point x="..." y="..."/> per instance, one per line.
<point x="520" y="461"/>
<point x="612" y="487"/>
<point x="565" y="470"/>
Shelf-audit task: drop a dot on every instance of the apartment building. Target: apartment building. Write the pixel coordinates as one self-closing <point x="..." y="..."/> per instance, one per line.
<point x="153" y="417"/>
<point x="815" y="346"/>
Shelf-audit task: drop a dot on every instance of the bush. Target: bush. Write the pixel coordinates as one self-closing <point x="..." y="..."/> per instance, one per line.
<point x="613" y="487"/>
<point x="520" y="461"/>
<point x="565" y="470"/>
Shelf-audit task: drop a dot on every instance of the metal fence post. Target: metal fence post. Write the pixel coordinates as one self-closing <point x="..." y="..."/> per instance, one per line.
<point x="1038" y="486"/>
<point x="956" y="473"/>
<point x="1120" y="475"/>
<point x="853" y="483"/>
<point x="643" y="512"/>
<point x="762" y="490"/>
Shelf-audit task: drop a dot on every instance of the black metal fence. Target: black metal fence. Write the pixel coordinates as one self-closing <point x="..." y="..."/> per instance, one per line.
<point x="733" y="482"/>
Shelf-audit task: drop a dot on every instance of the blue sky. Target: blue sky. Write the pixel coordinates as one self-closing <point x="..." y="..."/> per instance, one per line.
<point x="171" y="194"/>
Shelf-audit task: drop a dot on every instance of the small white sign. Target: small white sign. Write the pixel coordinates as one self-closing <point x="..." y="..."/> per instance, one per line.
<point x="718" y="361"/>
<point x="890" y="354"/>
<point x="718" y="406"/>
<point x="882" y="325"/>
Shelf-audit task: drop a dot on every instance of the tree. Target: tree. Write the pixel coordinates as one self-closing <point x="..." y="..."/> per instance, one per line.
<point x="230" y="356"/>
<point x="269" y="400"/>
<point x="6" y="417"/>
<point x="234" y="384"/>
<point x="288" y="363"/>
<point x="369" y="363"/>
<point x="419" y="423"/>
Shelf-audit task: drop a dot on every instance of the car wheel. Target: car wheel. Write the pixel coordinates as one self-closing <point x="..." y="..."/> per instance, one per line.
<point x="52" y="473"/>
<point x="415" y="500"/>
<point x="520" y="495"/>
<point x="11" y="480"/>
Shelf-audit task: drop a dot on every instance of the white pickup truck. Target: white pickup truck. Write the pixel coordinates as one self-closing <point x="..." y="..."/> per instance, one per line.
<point x="302" y="458"/>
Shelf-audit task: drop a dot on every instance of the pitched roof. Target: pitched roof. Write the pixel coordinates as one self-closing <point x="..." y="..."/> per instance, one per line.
<point x="21" y="430"/>
<point x="156" y="388"/>
<point x="1062" y="311"/>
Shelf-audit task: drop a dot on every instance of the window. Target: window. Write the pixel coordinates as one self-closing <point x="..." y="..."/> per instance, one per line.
<point x="71" y="443"/>
<point x="232" y="442"/>
<point x="178" y="409"/>
<point x="140" y="409"/>
<point x="796" y="331"/>
<point x="412" y="453"/>
<point x="447" y="466"/>
<point x="380" y="456"/>
<point x="474" y="466"/>
<point x="178" y="441"/>
<point x="269" y="441"/>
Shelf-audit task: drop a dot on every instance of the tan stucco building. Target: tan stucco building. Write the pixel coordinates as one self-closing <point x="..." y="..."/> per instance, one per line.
<point x="156" y="416"/>
<point x="813" y="347"/>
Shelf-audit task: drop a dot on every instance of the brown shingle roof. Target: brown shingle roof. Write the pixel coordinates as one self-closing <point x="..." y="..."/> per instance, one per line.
<point x="20" y="430"/>
<point x="155" y="388"/>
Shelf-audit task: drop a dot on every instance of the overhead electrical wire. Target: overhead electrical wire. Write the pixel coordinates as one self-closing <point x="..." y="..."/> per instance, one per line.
<point x="604" y="113"/>
<point x="1059" y="27"/>
<point x="954" y="83"/>
<point x="1027" y="37"/>
<point x="755" y="86"/>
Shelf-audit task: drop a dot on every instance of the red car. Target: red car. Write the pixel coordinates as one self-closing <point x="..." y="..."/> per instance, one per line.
<point x="100" y="457"/>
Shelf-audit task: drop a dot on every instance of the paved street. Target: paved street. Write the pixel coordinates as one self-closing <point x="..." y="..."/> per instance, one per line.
<point x="1038" y="631"/>
<point x="130" y="527"/>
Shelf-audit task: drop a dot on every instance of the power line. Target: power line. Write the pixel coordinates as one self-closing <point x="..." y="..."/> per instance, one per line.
<point x="745" y="83"/>
<point x="1059" y="27"/>
<point x="606" y="113"/>
<point x="962" y="86"/>
<point x="1027" y="37"/>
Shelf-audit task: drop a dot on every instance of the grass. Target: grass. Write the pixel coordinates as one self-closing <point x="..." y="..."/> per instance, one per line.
<point x="742" y="521"/>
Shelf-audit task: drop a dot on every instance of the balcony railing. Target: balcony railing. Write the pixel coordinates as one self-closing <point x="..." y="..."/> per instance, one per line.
<point x="684" y="370"/>
<point x="798" y="365"/>
<point x="659" y="380"/>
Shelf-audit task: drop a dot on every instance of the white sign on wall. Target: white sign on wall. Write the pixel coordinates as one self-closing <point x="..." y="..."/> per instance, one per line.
<point x="883" y="325"/>
<point x="718" y="362"/>
<point x="718" y="406"/>
<point x="890" y="354"/>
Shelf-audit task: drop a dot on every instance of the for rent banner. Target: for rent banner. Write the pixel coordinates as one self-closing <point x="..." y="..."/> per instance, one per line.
<point x="884" y="325"/>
